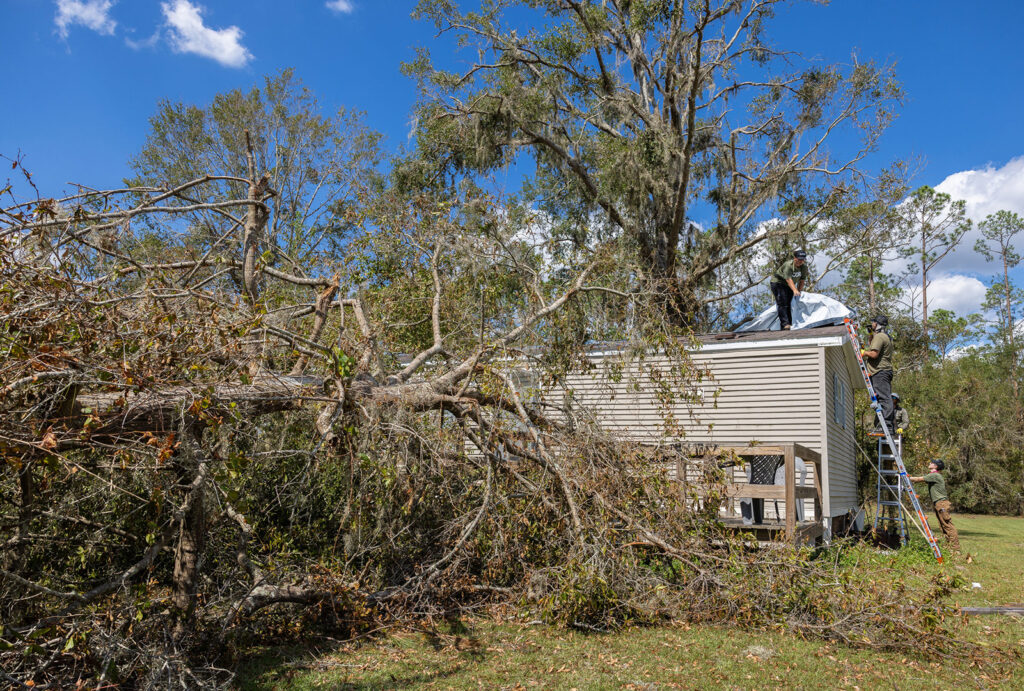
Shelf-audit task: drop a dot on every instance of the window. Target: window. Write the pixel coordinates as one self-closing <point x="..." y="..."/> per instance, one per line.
<point x="839" y="388"/>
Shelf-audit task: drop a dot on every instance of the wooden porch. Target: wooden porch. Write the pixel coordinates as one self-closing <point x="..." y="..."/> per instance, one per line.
<point x="785" y="524"/>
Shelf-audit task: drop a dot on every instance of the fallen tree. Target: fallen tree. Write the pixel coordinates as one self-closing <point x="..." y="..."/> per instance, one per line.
<point x="200" y="432"/>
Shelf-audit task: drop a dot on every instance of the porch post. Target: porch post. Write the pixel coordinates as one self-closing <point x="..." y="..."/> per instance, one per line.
<point x="790" y="457"/>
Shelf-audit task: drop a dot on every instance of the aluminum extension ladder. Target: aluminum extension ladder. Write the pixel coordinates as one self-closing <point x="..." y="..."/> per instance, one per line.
<point x="901" y="475"/>
<point x="889" y="497"/>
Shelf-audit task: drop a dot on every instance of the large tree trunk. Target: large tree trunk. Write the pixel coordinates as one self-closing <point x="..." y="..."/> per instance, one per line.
<point x="12" y="557"/>
<point x="191" y="541"/>
<point x="674" y="296"/>
<point x="872" y="308"/>
<point x="159" y="410"/>
<point x="1011" y="337"/>
<point x="924" y="289"/>
<point x="191" y="530"/>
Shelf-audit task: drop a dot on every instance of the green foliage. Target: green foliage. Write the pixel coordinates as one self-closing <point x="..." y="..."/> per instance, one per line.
<point x="938" y="223"/>
<point x="947" y="331"/>
<point x="319" y="166"/>
<point x="863" y="275"/>
<point x="999" y="232"/>
<point x="964" y="412"/>
<point x="587" y="600"/>
<point x="625" y="141"/>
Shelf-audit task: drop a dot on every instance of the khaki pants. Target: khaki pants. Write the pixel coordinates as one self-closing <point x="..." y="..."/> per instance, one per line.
<point x="944" y="512"/>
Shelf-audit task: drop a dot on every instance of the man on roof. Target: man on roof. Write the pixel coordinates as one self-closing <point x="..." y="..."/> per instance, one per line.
<point x="878" y="361"/>
<point x="783" y="287"/>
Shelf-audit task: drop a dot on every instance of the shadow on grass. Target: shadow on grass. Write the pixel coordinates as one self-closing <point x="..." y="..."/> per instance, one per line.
<point x="976" y="533"/>
<point x="400" y="681"/>
<point x="274" y="669"/>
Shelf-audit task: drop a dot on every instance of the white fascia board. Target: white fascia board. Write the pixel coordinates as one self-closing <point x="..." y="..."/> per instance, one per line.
<point x="788" y="343"/>
<point x="749" y="345"/>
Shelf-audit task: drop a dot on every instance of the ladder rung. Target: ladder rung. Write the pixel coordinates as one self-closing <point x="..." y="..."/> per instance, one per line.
<point x="890" y="518"/>
<point x="887" y="471"/>
<point x="888" y="503"/>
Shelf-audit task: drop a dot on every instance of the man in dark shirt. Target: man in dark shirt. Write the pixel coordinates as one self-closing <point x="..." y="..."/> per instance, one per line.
<point x="943" y="509"/>
<point x="900" y="415"/>
<point x="784" y="289"/>
<point x="878" y="360"/>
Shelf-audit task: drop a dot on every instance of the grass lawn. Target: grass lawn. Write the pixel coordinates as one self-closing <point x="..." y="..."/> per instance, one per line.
<point x="493" y="655"/>
<point x="995" y="547"/>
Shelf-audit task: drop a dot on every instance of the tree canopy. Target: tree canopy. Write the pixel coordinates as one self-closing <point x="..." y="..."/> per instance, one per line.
<point x="642" y="117"/>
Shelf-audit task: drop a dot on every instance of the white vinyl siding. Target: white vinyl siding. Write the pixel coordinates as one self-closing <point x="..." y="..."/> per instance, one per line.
<point x="765" y="395"/>
<point x="791" y="393"/>
<point x="840" y="388"/>
<point x="841" y="446"/>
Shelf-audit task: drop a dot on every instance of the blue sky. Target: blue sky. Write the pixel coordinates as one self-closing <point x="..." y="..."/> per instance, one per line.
<point x="83" y="76"/>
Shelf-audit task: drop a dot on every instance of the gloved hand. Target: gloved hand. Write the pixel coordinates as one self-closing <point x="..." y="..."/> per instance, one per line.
<point x="863" y="352"/>
<point x="899" y="430"/>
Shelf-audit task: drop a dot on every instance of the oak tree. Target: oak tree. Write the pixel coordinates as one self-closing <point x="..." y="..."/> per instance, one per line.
<point x="637" y="118"/>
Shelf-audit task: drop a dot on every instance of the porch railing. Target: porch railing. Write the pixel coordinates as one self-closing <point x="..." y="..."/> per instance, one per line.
<point x="789" y="492"/>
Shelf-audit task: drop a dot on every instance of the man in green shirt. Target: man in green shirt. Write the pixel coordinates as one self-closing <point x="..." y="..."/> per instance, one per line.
<point x="943" y="509"/>
<point x="783" y="287"/>
<point x="878" y="360"/>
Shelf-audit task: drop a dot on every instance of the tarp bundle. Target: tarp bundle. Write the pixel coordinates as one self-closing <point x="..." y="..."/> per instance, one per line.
<point x="809" y="310"/>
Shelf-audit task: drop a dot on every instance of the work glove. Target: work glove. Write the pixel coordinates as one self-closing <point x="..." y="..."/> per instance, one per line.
<point x="899" y="430"/>
<point x="863" y="352"/>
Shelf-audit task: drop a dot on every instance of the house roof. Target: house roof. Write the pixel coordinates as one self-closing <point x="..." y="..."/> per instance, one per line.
<point x="821" y="336"/>
<point x="742" y="340"/>
<point x="762" y="336"/>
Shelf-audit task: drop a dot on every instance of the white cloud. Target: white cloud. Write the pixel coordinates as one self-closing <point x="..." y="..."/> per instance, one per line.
<point x="342" y="6"/>
<point x="955" y="292"/>
<point x="962" y="351"/>
<point x="92" y="14"/>
<point x="188" y="34"/>
<point x="986" y="191"/>
<point x="144" y="43"/>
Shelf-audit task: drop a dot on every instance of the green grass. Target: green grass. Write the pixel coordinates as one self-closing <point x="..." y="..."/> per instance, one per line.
<point x="993" y="556"/>
<point x="495" y="655"/>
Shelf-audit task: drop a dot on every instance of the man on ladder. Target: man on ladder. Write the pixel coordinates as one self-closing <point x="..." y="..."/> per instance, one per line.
<point x="878" y="360"/>
<point x="880" y="349"/>
<point x="900" y="415"/>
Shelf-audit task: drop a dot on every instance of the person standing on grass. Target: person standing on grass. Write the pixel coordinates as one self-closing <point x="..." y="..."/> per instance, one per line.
<point x="783" y="287"/>
<point x="943" y="509"/>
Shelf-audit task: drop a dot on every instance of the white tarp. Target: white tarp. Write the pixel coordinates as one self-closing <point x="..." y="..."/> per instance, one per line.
<point x="809" y="310"/>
